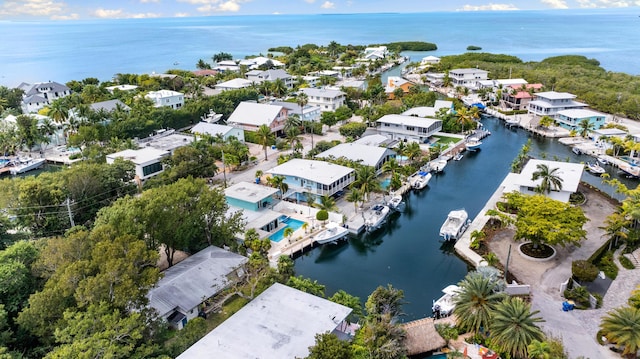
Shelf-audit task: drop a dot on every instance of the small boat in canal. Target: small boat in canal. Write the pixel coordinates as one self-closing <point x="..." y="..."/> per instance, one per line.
<point x="576" y="150"/>
<point x="333" y="232"/>
<point x="375" y="217"/>
<point x="25" y="165"/>
<point x="438" y="166"/>
<point x="602" y="160"/>
<point x="472" y="144"/>
<point x="395" y="202"/>
<point x="595" y="168"/>
<point x="456" y="223"/>
<point x="444" y="306"/>
<point x="458" y="157"/>
<point x="420" y="179"/>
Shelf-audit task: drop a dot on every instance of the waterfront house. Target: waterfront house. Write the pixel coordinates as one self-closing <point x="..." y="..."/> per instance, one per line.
<point x="394" y="83"/>
<point x="166" y="140"/>
<point x="316" y="177"/>
<point x="282" y="322"/>
<point x="408" y="128"/>
<point x="251" y="115"/>
<point x="166" y="98"/>
<point x="109" y="106"/>
<point x="517" y="98"/>
<point x="255" y="202"/>
<point x="234" y="84"/>
<point x="375" y="53"/>
<point x="326" y="73"/>
<point x="364" y="154"/>
<point x="123" y="87"/>
<point x="429" y="60"/>
<point x="327" y="100"/>
<point x="214" y="130"/>
<point x="467" y="77"/>
<point x="180" y="294"/>
<point x="147" y="161"/>
<point x="431" y="112"/>
<point x="227" y="66"/>
<point x="311" y="81"/>
<point x="39" y="95"/>
<point x="570" y="173"/>
<point x="570" y="119"/>
<point x="259" y="76"/>
<point x="308" y="113"/>
<point x="375" y="140"/>
<point x="260" y="62"/>
<point x="551" y="102"/>
<point x="435" y="78"/>
<point x="602" y="134"/>
<point x="205" y="73"/>
<point x="356" y="84"/>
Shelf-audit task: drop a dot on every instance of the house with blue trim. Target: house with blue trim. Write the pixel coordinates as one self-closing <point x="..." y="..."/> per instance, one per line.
<point x="570" y="119"/>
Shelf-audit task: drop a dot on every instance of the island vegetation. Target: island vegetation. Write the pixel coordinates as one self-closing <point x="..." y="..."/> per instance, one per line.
<point x="473" y="48"/>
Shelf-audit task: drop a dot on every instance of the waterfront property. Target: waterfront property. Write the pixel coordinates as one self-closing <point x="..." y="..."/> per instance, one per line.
<point x="570" y="119"/>
<point x="430" y="60"/>
<point x="166" y="140"/>
<point x="394" y="83"/>
<point x="602" y="134"/>
<point x="408" y="128"/>
<point x="375" y="140"/>
<point x="255" y="201"/>
<point x="327" y="100"/>
<point x="259" y="76"/>
<point x="281" y="322"/>
<point x="430" y="112"/>
<point x="234" y="84"/>
<point x="180" y="293"/>
<point x="41" y="94"/>
<point x="550" y="103"/>
<point x="215" y="130"/>
<point x="123" y="87"/>
<point x="308" y="113"/>
<point x="251" y="115"/>
<point x="147" y="161"/>
<point x="166" y="98"/>
<point x="467" y="77"/>
<point x="516" y="98"/>
<point x="570" y="173"/>
<point x="316" y="177"/>
<point x="372" y="156"/>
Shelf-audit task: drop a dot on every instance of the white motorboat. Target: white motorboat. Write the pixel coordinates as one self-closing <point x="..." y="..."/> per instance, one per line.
<point x="576" y="150"/>
<point x="458" y="156"/>
<point x="421" y="179"/>
<point x="333" y="232"/>
<point x="472" y="144"/>
<point x="456" y="223"/>
<point x="512" y="121"/>
<point x="602" y="160"/>
<point x="595" y="168"/>
<point x="444" y="306"/>
<point x="25" y="165"/>
<point x="375" y="217"/>
<point x="395" y="202"/>
<point x="439" y="165"/>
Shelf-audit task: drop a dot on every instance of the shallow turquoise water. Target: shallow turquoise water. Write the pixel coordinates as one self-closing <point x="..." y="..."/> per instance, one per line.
<point x="291" y="223"/>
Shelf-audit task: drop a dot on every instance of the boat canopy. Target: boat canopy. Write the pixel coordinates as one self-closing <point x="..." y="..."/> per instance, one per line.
<point x="451" y="289"/>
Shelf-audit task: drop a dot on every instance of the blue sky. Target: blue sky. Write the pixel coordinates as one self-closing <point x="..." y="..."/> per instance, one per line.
<point x="97" y="9"/>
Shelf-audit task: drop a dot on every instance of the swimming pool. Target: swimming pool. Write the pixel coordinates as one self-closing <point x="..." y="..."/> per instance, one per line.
<point x="384" y="184"/>
<point x="633" y="161"/>
<point x="289" y="223"/>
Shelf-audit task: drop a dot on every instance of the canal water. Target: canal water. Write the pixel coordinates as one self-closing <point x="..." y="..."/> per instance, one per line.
<point x="407" y="252"/>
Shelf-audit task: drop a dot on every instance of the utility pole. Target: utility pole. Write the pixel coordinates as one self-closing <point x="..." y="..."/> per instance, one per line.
<point x="224" y="170"/>
<point x="68" y="202"/>
<point x="506" y="267"/>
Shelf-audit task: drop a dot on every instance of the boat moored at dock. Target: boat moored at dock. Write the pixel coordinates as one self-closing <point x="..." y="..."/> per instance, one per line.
<point x="420" y="179"/>
<point x="333" y="232"/>
<point x="595" y="168"/>
<point x="456" y="223"/>
<point x="375" y="217"/>
<point x="444" y="306"/>
<point x="23" y="165"/>
<point x="472" y="144"/>
<point x="395" y="203"/>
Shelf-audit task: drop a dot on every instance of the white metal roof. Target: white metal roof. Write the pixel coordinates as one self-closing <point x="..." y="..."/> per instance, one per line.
<point x="367" y="155"/>
<point x="467" y="71"/>
<point x="407" y="120"/>
<point x="322" y="92"/>
<point x="372" y="140"/>
<point x="234" y="84"/>
<point x="511" y="82"/>
<point x="316" y="171"/>
<point x="141" y="156"/>
<point x="569" y="172"/>
<point x="163" y="94"/>
<point x="280" y="323"/>
<point x="212" y="129"/>
<point x="253" y="113"/>
<point x="421" y="111"/>
<point x="188" y="283"/>
<point x="553" y="95"/>
<point x="580" y="113"/>
<point x="249" y="192"/>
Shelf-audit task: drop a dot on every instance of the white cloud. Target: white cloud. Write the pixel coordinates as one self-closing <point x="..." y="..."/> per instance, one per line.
<point x="120" y="14"/>
<point x="38" y="8"/>
<point x="489" y="7"/>
<point x="209" y="6"/>
<point x="607" y="3"/>
<point x="328" y="5"/>
<point x="556" y="4"/>
<point x="148" y="1"/>
<point x="310" y="1"/>
<point x="181" y="14"/>
<point x="73" y="16"/>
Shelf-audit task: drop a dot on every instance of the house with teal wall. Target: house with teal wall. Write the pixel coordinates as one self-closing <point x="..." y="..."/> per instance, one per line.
<point x="251" y="196"/>
<point x="570" y="119"/>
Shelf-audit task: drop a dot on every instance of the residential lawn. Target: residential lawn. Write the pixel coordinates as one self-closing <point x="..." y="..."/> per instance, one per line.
<point x="447" y="140"/>
<point x="228" y="309"/>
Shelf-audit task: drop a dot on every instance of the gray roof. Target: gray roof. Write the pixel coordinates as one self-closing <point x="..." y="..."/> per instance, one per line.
<point x="188" y="283"/>
<point x="47" y="86"/>
<point x="280" y="323"/>
<point x="367" y="155"/>
<point x="34" y="99"/>
<point x="253" y="113"/>
<point x="580" y="113"/>
<point x="109" y="105"/>
<point x="374" y="140"/>
<point x="467" y="71"/>
<point x="408" y="120"/>
<point x="316" y="171"/>
<point x="249" y="192"/>
<point x="553" y="95"/>
<point x="322" y="92"/>
<point x="569" y="172"/>
<point x="212" y="129"/>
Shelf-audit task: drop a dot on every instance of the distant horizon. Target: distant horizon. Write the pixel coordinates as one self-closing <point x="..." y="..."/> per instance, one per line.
<point x="73" y="10"/>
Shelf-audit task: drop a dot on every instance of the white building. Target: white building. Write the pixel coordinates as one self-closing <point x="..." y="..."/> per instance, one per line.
<point x="178" y="294"/>
<point x="430" y="112"/>
<point x="411" y="128"/>
<point x="280" y="323"/>
<point x="148" y="161"/>
<point x="315" y="177"/>
<point x="551" y="102"/>
<point x="259" y="76"/>
<point x="251" y="115"/>
<point x="166" y="98"/>
<point x="327" y="100"/>
<point x="166" y="140"/>
<point x="467" y="77"/>
<point x="430" y="60"/>
<point x="366" y="155"/>
<point x="570" y="173"/>
<point x="125" y="87"/>
<point x="41" y="94"/>
<point x="312" y="81"/>
<point x="308" y="113"/>
<point x="215" y="130"/>
<point x="234" y="84"/>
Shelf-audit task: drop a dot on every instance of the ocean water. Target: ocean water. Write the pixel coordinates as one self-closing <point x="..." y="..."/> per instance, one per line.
<point x="73" y="50"/>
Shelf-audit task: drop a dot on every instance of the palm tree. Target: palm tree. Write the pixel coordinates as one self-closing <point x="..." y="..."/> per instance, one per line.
<point x="58" y="112"/>
<point x="464" y="117"/>
<point x="513" y="327"/>
<point x="622" y="327"/>
<point x="292" y="136"/>
<point x="475" y="302"/>
<point x="278" y="87"/>
<point x="327" y="203"/>
<point x="539" y="350"/>
<point x="264" y="137"/>
<point x="413" y="151"/>
<point x="366" y="181"/>
<point x="354" y="196"/>
<point x="293" y="121"/>
<point x="279" y="183"/>
<point x="584" y="127"/>
<point x="477" y="237"/>
<point x="391" y="166"/>
<point x="550" y="180"/>
<point x="288" y="232"/>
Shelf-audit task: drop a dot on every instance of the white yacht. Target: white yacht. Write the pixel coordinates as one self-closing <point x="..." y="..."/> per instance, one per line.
<point x="333" y="232"/>
<point x="375" y="217"/>
<point x="455" y="224"/>
<point x="439" y="165"/>
<point x="26" y="164"/>
<point x="595" y="168"/>
<point x="395" y="202"/>
<point x="472" y="144"/>
<point x="420" y="179"/>
<point x="444" y="306"/>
